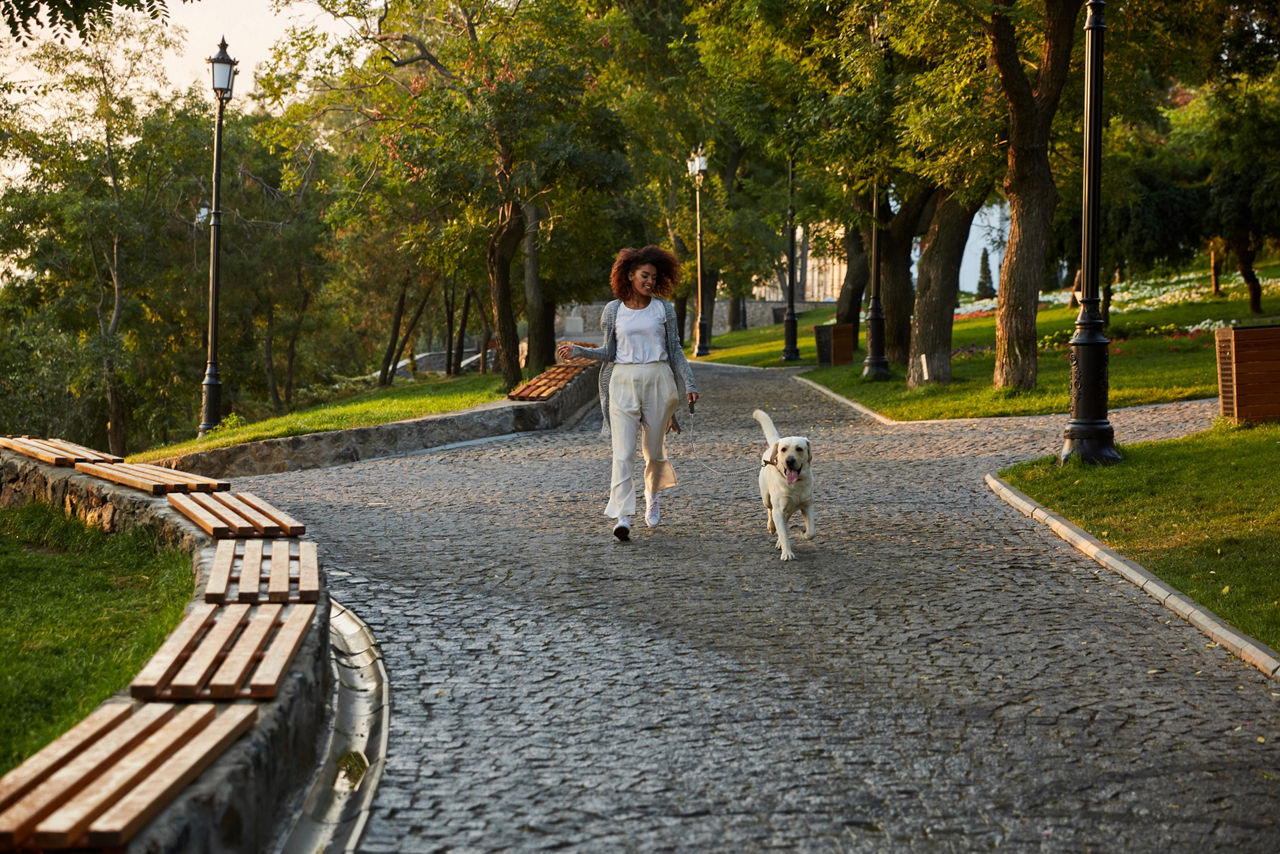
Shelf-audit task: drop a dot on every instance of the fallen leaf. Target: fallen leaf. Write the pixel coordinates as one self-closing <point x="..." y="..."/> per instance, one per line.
<point x="1226" y="590"/>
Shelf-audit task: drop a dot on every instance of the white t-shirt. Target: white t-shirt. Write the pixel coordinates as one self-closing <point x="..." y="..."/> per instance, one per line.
<point x="641" y="334"/>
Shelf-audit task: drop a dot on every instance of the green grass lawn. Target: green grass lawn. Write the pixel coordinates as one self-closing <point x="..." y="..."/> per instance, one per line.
<point x="406" y="399"/>
<point x="80" y="613"/>
<point x="1198" y="512"/>
<point x="1143" y="369"/>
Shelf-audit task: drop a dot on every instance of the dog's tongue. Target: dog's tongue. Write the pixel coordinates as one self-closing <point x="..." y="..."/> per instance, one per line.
<point x="792" y="475"/>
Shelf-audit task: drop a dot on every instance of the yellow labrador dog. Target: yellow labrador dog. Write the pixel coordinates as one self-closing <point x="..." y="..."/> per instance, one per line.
<point x="786" y="482"/>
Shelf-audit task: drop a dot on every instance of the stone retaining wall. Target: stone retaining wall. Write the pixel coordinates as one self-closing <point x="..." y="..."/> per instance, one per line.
<point x="243" y="800"/>
<point x="335" y="447"/>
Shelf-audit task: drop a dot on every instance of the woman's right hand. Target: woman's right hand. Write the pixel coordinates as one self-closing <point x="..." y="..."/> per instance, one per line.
<point x="564" y="350"/>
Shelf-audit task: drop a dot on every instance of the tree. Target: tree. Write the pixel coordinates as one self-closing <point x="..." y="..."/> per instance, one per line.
<point x="486" y="105"/>
<point x="985" y="289"/>
<point x="64" y="18"/>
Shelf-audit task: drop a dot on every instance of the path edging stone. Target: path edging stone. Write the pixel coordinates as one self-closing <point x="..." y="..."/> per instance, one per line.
<point x="1246" y="648"/>
<point x="239" y="802"/>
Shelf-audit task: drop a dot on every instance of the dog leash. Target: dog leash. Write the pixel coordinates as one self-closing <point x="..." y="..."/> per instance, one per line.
<point x="694" y="453"/>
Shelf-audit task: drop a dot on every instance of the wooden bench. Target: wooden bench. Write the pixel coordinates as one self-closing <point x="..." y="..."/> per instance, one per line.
<point x="152" y="479"/>
<point x="224" y="515"/>
<point x="226" y="652"/>
<point x="291" y="571"/>
<point x="105" y="778"/>
<point x="55" y="452"/>
<point x="552" y="380"/>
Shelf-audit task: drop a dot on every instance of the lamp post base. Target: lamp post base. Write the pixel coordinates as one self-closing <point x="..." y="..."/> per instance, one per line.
<point x="791" y="348"/>
<point x="875" y="366"/>
<point x="210" y="401"/>
<point x="704" y="337"/>
<point x="1090" y="442"/>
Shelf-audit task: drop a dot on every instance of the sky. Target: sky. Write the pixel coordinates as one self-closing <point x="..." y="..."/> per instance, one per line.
<point x="249" y="26"/>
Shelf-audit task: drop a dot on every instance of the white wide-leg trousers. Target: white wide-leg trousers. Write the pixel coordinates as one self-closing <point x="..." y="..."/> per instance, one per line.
<point x="642" y="399"/>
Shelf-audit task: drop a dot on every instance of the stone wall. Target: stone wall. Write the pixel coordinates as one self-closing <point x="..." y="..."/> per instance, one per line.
<point x="240" y="802"/>
<point x="336" y="447"/>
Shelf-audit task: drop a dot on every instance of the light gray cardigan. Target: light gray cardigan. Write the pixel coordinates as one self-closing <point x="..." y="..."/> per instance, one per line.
<point x="609" y="353"/>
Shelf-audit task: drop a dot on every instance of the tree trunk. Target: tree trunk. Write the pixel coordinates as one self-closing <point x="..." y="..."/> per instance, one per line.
<point x="737" y="313"/>
<point x="857" y="274"/>
<point x="388" y="356"/>
<point x="1245" y="254"/>
<point x="269" y="360"/>
<point x="937" y="285"/>
<point x="682" y="311"/>
<point x="1028" y="180"/>
<point x="116" y="433"/>
<point x="408" y="333"/>
<point x="459" y="347"/>
<point x="802" y="278"/>
<point x="1215" y="270"/>
<point x="542" y="348"/>
<point x="501" y="251"/>
<point x="897" y="299"/>
<point x="291" y="350"/>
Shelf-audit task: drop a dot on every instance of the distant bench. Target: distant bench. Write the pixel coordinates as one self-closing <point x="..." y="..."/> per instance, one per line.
<point x="102" y="781"/>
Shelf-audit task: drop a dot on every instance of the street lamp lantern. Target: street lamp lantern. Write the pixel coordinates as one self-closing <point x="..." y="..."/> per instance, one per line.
<point x="1089" y="434"/>
<point x="223" y="72"/>
<point x="697" y="165"/>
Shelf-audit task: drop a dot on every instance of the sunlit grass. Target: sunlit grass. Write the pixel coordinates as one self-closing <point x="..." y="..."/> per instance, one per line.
<point x="80" y="613"/>
<point x="761" y="347"/>
<point x="1198" y="512"/>
<point x="405" y="400"/>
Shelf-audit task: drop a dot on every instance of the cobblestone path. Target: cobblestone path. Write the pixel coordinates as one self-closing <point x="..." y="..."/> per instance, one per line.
<point x="935" y="671"/>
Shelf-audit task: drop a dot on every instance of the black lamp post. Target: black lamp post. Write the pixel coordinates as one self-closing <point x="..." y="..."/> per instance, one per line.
<point x="223" y="68"/>
<point x="697" y="164"/>
<point x="1089" y="435"/>
<point x="875" y="366"/>
<point x="790" y="348"/>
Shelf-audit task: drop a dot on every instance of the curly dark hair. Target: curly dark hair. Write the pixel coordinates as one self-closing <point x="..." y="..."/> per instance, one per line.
<point x="628" y="259"/>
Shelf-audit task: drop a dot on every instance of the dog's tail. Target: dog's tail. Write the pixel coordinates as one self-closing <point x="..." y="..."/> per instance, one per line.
<point x="770" y="432"/>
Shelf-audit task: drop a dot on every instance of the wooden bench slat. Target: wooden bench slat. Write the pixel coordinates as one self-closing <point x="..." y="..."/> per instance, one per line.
<point x="203" y="519"/>
<point x="292" y="527"/>
<point x="220" y="572"/>
<point x="90" y="454"/>
<point x="77" y="456"/>
<point x="204" y="658"/>
<point x="169" y="658"/>
<point x="204" y="484"/>
<point x="227" y="681"/>
<point x="278" y="581"/>
<point x="67" y="824"/>
<point x="266" y="680"/>
<point x="61" y="750"/>
<point x="116" y="474"/>
<point x="212" y="502"/>
<point x="27" y="449"/>
<point x="172" y="481"/>
<point x="263" y="525"/>
<point x="250" y="582"/>
<point x="18" y="822"/>
<point x="131" y="813"/>
<point x="308" y="572"/>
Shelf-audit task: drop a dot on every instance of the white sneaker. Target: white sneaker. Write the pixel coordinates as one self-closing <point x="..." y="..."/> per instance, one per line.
<point x="652" y="513"/>
<point x="622" y="528"/>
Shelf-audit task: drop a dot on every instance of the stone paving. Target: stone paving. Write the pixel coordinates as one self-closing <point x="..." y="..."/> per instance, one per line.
<point x="935" y="672"/>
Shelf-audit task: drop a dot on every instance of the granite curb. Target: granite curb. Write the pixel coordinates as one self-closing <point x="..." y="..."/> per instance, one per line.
<point x="1247" y="649"/>
<point x="852" y="404"/>
<point x="238" y="802"/>
<point x="338" y="447"/>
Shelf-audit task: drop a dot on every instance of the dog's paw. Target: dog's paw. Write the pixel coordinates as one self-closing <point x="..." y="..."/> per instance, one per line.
<point x="787" y="554"/>
<point x="809" y="535"/>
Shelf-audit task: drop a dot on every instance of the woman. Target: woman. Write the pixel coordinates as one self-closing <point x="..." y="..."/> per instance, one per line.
<point x="644" y="368"/>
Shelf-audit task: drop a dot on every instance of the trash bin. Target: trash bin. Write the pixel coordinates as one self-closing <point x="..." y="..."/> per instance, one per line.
<point x="822" y="338"/>
<point x="1249" y="372"/>
<point x="835" y="343"/>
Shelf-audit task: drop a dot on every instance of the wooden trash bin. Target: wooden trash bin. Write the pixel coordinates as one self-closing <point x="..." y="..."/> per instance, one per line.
<point x="834" y="343"/>
<point x="1249" y="372"/>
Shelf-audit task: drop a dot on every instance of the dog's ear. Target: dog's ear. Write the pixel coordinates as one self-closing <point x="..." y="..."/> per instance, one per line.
<point x="808" y="450"/>
<point x="773" y="454"/>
